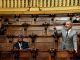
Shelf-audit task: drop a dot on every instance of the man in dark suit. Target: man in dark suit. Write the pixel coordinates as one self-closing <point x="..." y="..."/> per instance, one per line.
<point x="20" y="45"/>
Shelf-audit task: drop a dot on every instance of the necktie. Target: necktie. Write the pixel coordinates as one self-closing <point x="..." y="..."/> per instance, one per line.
<point x="64" y="47"/>
<point x="67" y="33"/>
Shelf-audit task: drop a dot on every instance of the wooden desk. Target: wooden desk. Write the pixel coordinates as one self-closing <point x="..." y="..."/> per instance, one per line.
<point x="6" y="55"/>
<point x="10" y="55"/>
<point x="62" y="55"/>
<point x="65" y="55"/>
<point x="22" y="54"/>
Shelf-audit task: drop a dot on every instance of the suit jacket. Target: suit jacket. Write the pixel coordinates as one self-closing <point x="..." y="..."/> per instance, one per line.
<point x="24" y="45"/>
<point x="68" y="43"/>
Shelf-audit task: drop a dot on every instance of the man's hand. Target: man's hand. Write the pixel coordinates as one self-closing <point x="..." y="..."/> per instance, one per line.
<point x="75" y="50"/>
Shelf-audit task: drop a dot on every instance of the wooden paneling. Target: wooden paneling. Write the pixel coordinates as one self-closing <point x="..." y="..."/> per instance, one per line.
<point x="43" y="56"/>
<point x="43" y="42"/>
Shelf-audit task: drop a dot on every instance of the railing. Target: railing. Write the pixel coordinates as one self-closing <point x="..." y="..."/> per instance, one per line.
<point x="38" y="3"/>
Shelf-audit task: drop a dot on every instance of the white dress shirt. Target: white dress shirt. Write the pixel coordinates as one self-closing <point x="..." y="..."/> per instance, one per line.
<point x="20" y="46"/>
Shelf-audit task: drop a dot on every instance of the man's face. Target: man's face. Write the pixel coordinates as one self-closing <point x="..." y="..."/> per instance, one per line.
<point x="20" y="39"/>
<point x="68" y="25"/>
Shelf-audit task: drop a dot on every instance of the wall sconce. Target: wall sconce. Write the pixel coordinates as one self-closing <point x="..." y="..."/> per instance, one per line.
<point x="3" y="29"/>
<point x="33" y="37"/>
<point x="4" y="26"/>
<point x="10" y="40"/>
<point x="35" y="17"/>
<point x="46" y="26"/>
<point x="25" y="26"/>
<point x="17" y="17"/>
<point x="52" y="19"/>
<point x="10" y="37"/>
<point x="6" y="21"/>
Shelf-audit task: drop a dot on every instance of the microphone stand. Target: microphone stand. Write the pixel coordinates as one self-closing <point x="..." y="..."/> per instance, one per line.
<point x="45" y="26"/>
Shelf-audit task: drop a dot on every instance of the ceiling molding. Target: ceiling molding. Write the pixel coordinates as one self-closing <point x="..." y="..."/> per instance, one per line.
<point x="55" y="10"/>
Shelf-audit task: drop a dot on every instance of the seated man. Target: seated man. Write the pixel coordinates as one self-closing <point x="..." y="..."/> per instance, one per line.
<point x="20" y="45"/>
